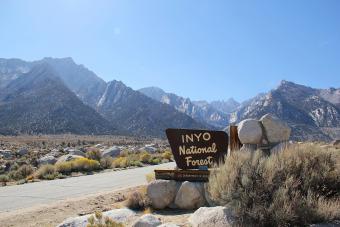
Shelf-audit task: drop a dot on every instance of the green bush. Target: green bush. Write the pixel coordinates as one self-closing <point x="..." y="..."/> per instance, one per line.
<point x="295" y="187"/>
<point x="155" y="161"/>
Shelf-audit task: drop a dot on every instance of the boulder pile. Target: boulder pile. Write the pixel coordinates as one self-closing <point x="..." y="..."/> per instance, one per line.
<point x="269" y="134"/>
<point x="174" y="194"/>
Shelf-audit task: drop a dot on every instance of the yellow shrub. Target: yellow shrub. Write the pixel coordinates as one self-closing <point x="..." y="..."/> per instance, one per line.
<point x="167" y="155"/>
<point x="150" y="177"/>
<point x="84" y="164"/>
<point x="145" y="157"/>
<point x="120" y="162"/>
<point x="64" y="167"/>
<point x="79" y="164"/>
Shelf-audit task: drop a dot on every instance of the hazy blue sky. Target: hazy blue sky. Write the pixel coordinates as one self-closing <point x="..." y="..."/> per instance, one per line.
<point x="198" y="49"/>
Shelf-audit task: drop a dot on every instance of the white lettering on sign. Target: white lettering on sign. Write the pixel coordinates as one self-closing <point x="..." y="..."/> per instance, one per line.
<point x="199" y="162"/>
<point x="196" y="137"/>
<point x="183" y="150"/>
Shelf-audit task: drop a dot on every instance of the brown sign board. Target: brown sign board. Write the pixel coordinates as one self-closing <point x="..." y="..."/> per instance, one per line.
<point x="193" y="149"/>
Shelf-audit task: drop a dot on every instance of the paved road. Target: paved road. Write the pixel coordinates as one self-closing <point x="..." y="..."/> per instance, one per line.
<point x="28" y="195"/>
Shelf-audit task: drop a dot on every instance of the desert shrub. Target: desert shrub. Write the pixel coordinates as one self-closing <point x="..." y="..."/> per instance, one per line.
<point x="150" y="177"/>
<point x="94" y="154"/>
<point x="291" y="188"/>
<point x="4" y="179"/>
<point x="64" y="167"/>
<point x="21" y="173"/>
<point x="77" y="165"/>
<point x="85" y="164"/>
<point x="145" y="157"/>
<point x="155" y="161"/>
<point x="124" y="153"/>
<point x="106" y="163"/>
<point x="167" y="155"/>
<point x="46" y="172"/>
<point x="14" y="166"/>
<point x="99" y="221"/>
<point x="120" y="162"/>
<point x="135" y="163"/>
<point x="138" y="200"/>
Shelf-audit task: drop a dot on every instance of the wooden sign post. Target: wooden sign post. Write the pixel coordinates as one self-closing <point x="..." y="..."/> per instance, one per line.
<point x="235" y="143"/>
<point x="194" y="152"/>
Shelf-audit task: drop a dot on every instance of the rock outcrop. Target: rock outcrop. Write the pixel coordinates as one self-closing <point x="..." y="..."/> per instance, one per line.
<point x="111" y="152"/>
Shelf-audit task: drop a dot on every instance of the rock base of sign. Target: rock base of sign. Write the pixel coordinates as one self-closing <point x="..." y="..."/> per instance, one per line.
<point x="177" y="195"/>
<point x="212" y="216"/>
<point x="269" y="134"/>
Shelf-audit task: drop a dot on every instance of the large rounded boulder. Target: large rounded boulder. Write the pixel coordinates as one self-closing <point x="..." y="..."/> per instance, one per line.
<point x="68" y="157"/>
<point x="190" y="196"/>
<point x="162" y="193"/>
<point x="47" y="159"/>
<point x="276" y="130"/>
<point x="111" y="152"/>
<point x="250" y="131"/>
<point x="212" y="217"/>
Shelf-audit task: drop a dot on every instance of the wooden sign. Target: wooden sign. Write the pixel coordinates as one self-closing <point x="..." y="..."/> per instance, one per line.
<point x="182" y="175"/>
<point x="193" y="149"/>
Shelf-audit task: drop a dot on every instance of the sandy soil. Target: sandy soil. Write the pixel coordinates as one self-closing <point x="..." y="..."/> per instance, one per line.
<point x="53" y="214"/>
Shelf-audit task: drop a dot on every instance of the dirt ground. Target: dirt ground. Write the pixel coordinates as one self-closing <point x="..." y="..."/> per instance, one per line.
<point x="53" y="214"/>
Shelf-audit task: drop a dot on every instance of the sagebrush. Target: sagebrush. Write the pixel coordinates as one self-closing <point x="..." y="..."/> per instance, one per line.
<point x="295" y="187"/>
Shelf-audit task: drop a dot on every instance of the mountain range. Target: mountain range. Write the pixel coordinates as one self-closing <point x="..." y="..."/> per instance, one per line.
<point x="119" y="108"/>
<point x="56" y="95"/>
<point x="215" y="114"/>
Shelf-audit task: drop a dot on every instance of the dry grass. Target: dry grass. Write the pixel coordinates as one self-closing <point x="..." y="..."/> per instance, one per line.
<point x="46" y="172"/>
<point x="296" y="187"/>
<point x="106" y="163"/>
<point x="150" y="177"/>
<point x="99" y="221"/>
<point x="138" y="200"/>
<point x="77" y="165"/>
<point x="94" y="153"/>
<point x="22" y="172"/>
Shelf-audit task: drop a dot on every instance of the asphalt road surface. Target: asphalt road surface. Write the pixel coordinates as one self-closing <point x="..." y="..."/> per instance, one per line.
<point x="44" y="192"/>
